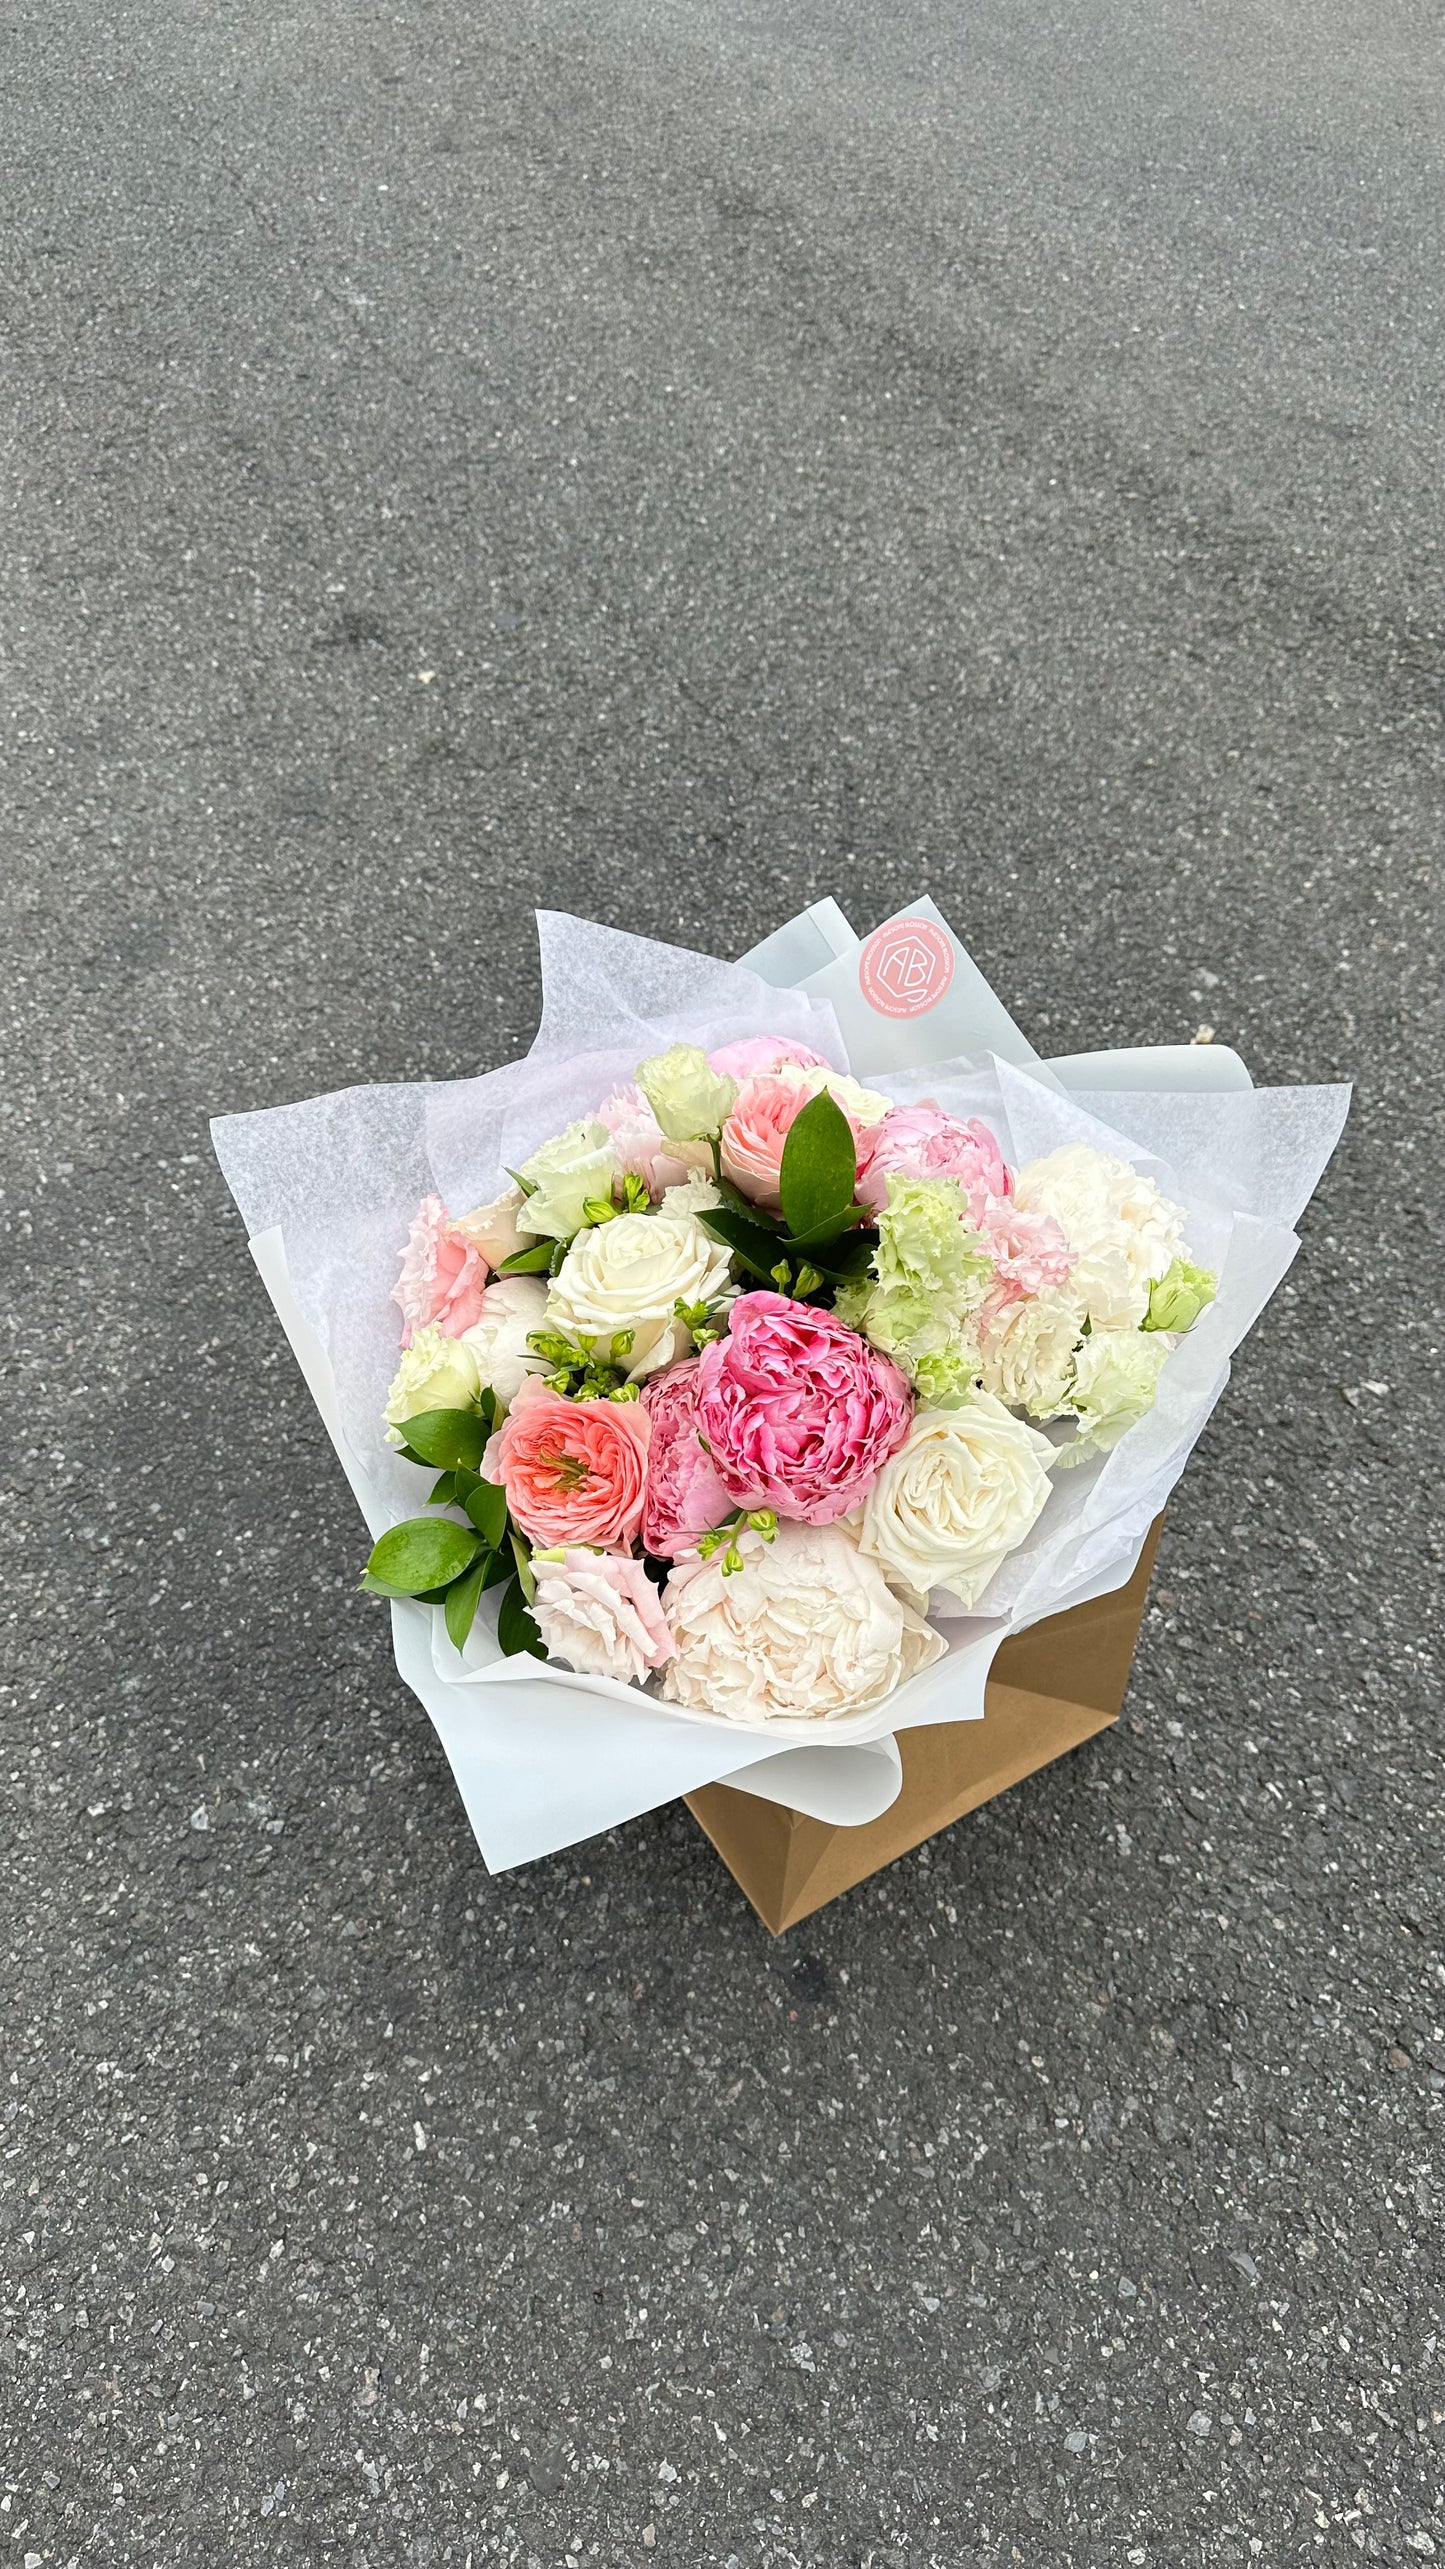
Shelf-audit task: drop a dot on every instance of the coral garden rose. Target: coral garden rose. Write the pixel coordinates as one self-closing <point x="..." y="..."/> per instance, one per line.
<point x="631" y="1274"/>
<point x="511" y="1309"/>
<point x="436" y="1372"/>
<point x="442" y="1275"/>
<point x="575" y="1471"/>
<point x="956" y="1499"/>
<point x="755" y="1053"/>
<point x="804" y="1630"/>
<point x="768" y="1105"/>
<point x="684" y="1495"/>
<point x="798" y="1411"/>
<point x="925" y="1141"/>
<point x="1124" y="1234"/>
<point x="599" y="1613"/>
<point x="497" y="1229"/>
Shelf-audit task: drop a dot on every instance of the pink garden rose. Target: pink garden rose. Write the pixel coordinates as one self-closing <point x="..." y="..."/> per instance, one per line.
<point x="442" y="1276"/>
<point x="766" y="1107"/>
<point x="574" y="1470"/>
<point x="684" y="1494"/>
<point x="924" y="1141"/>
<point x="755" y="1053"/>
<point x="1029" y="1251"/>
<point x="800" y="1413"/>
<point x="642" y="1147"/>
<point x="600" y="1612"/>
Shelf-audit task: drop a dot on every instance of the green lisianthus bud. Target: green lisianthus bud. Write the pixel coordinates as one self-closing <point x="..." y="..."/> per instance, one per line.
<point x="1179" y="1296"/>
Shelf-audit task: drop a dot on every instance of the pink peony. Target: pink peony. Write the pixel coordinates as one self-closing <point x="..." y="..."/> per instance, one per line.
<point x="574" y="1470"/>
<point x="753" y="1053"/>
<point x="799" y="1412"/>
<point x="684" y="1494"/>
<point x="924" y="1141"/>
<point x="642" y="1147"/>
<point x="600" y="1612"/>
<point x="1029" y="1251"/>
<point x="442" y="1276"/>
<point x="755" y="1132"/>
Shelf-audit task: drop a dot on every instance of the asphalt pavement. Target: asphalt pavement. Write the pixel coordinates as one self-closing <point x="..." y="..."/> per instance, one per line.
<point x="669" y="463"/>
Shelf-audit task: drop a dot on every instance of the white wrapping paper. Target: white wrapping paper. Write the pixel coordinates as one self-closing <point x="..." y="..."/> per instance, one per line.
<point x="328" y="1188"/>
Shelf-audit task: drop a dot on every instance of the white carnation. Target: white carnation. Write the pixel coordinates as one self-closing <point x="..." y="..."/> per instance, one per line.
<point x="565" y="1175"/>
<point x="631" y="1274"/>
<point x="806" y="1629"/>
<point x="511" y="1309"/>
<point x="1123" y="1232"/>
<point x="698" y="1194"/>
<point x="1027" y="1351"/>
<point x="958" y="1496"/>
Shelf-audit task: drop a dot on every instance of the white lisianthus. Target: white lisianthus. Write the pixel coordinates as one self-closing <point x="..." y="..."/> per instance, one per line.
<point x="1027" y="1351"/>
<point x="958" y="1496"/>
<point x="860" y="1105"/>
<point x="572" y="1169"/>
<point x="691" y="1101"/>
<point x="1124" y="1234"/>
<point x="435" y="1373"/>
<point x="805" y="1629"/>
<point x="1115" y="1382"/>
<point x="496" y="1229"/>
<point x="631" y="1274"/>
<point x="511" y="1309"/>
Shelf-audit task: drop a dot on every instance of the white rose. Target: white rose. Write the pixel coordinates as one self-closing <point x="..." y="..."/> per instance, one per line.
<point x="511" y="1309"/>
<point x="435" y="1373"/>
<point x="806" y="1628"/>
<point x="496" y="1228"/>
<point x="690" y="1100"/>
<point x="1123" y="1232"/>
<point x="1027" y="1351"/>
<point x="632" y="1273"/>
<point x="1115" y="1381"/>
<point x="568" y="1172"/>
<point x="860" y="1105"/>
<point x="956" y="1499"/>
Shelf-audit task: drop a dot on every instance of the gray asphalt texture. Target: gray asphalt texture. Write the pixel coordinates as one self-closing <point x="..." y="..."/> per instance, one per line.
<point x="671" y="462"/>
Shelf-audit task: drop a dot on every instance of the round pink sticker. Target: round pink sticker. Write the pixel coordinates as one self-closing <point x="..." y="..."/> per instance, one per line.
<point x="905" y="968"/>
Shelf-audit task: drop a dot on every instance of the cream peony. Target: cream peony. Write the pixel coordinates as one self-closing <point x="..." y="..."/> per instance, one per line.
<point x="956" y="1499"/>
<point x="806" y="1629"/>
<point x="496" y="1229"/>
<point x="600" y="1612"/>
<point x="511" y="1309"/>
<point x="1026" y="1351"/>
<point x="569" y="1172"/>
<point x="631" y="1274"/>
<point x="435" y="1373"/>
<point x="1123" y="1232"/>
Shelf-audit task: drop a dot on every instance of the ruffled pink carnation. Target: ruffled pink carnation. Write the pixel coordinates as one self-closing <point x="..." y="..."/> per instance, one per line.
<point x="684" y="1494"/>
<point x="764" y="1112"/>
<point x="642" y="1147"/>
<point x="443" y="1276"/>
<point x="799" y="1412"/>
<point x="1029" y="1251"/>
<point x="575" y="1471"/>
<point x="600" y="1612"/>
<point x="924" y="1141"/>
<point x="753" y="1053"/>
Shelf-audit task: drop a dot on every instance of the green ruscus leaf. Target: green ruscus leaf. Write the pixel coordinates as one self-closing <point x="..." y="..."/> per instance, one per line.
<point x="447" y="1438"/>
<point x="461" y="1602"/>
<point x="819" y="1169"/>
<point x="486" y="1505"/>
<point x="516" y="1629"/>
<point x="425" y="1552"/>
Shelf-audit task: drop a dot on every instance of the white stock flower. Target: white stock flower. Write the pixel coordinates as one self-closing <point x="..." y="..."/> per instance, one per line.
<point x="690" y="1100"/>
<point x="511" y="1309"/>
<point x="860" y="1105"/>
<point x="806" y="1629"/>
<point x="1027" y="1351"/>
<point x="956" y="1499"/>
<point x="435" y="1373"/>
<point x="496" y="1229"/>
<point x="1115" y="1382"/>
<point x="632" y="1273"/>
<point x="567" y="1172"/>
<point x="1123" y="1232"/>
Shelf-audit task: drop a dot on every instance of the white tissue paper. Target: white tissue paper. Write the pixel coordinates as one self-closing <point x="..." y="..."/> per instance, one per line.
<point x="328" y="1190"/>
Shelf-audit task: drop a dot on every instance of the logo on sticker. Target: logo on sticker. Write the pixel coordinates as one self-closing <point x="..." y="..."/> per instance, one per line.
<point x="905" y="968"/>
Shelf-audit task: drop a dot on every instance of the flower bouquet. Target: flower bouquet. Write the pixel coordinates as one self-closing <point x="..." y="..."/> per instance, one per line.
<point x="758" y="1354"/>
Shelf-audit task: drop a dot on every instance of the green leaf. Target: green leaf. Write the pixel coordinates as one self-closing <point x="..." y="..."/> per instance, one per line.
<point x="443" y="1491"/>
<point x="425" y="1552"/>
<point x="527" y="1262"/>
<point x="516" y="1630"/>
<point x="497" y="1566"/>
<point x="819" y="1170"/>
<point x="521" y="1554"/>
<point x="487" y="1403"/>
<point x="752" y="1246"/>
<point x="466" y="1481"/>
<point x="486" y="1505"/>
<point x="842" y="1259"/>
<point x="447" y="1438"/>
<point x="461" y="1603"/>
